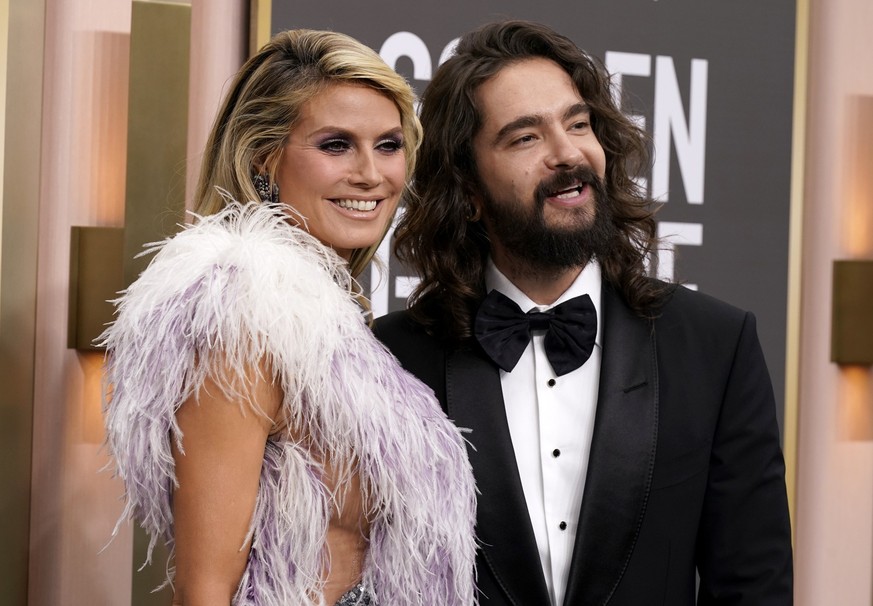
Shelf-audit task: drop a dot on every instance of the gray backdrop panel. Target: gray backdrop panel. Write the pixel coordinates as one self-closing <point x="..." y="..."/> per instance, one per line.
<point x="732" y="216"/>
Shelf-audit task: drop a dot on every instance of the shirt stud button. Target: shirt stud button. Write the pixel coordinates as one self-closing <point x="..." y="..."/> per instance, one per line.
<point x="552" y="382"/>
<point x="563" y="525"/>
<point x="556" y="453"/>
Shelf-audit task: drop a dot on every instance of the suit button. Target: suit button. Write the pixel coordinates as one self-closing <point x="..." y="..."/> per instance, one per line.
<point x="563" y="525"/>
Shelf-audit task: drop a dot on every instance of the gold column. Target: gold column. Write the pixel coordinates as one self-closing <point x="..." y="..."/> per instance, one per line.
<point x="155" y="194"/>
<point x="23" y="58"/>
<point x="157" y="127"/>
<point x="260" y="19"/>
<point x="795" y="253"/>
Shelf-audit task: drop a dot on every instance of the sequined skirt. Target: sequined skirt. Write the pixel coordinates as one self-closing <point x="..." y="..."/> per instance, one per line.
<point x="356" y="596"/>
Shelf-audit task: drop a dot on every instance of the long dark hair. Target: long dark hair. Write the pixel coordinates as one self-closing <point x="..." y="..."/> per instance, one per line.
<point x="435" y="236"/>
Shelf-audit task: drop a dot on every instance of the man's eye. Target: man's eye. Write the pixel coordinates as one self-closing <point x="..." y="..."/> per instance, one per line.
<point x="523" y="139"/>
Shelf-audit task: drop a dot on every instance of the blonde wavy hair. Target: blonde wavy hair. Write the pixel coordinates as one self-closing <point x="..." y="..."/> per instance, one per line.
<point x="265" y="102"/>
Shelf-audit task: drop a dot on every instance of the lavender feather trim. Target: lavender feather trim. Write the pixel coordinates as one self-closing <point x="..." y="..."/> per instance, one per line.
<point x="242" y="286"/>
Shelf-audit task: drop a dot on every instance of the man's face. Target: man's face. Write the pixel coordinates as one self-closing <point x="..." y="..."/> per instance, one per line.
<point x="540" y="168"/>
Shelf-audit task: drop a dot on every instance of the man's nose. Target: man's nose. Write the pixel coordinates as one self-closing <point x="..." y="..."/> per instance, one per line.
<point x="563" y="152"/>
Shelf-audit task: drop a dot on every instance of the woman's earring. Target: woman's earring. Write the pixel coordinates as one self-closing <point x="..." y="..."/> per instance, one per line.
<point x="267" y="192"/>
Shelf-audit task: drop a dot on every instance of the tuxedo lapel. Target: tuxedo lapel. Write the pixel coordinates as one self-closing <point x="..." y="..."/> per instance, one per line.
<point x="622" y="455"/>
<point x="475" y="401"/>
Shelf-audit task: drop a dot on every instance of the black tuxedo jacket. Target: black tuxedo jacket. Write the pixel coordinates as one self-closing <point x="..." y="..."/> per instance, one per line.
<point x="685" y="473"/>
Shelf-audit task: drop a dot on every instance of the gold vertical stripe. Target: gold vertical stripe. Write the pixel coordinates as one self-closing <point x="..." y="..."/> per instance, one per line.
<point x="157" y="131"/>
<point x="260" y="22"/>
<point x="4" y="58"/>
<point x="155" y="191"/>
<point x="795" y="252"/>
<point x="18" y="273"/>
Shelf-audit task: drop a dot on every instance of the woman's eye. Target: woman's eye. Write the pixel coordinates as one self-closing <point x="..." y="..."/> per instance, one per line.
<point x="335" y="146"/>
<point x="390" y="146"/>
<point x="580" y="125"/>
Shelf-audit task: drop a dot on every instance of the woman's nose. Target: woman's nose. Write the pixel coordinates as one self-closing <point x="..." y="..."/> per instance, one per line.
<point x="366" y="172"/>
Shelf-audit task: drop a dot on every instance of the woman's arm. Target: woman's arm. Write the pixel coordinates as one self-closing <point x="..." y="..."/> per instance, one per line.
<point x="218" y="475"/>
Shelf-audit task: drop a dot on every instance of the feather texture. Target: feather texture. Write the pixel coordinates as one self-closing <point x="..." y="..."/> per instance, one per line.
<point x="242" y="286"/>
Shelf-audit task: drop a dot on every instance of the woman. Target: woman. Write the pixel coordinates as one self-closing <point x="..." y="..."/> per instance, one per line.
<point x="260" y="429"/>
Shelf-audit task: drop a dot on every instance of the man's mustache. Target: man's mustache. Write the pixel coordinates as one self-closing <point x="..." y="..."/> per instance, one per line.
<point x="565" y="179"/>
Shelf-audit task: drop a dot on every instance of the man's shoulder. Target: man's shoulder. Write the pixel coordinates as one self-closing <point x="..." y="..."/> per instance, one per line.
<point x="701" y="323"/>
<point x="691" y="306"/>
<point x="404" y="336"/>
<point x="676" y="303"/>
<point x="398" y="324"/>
<point x="417" y="351"/>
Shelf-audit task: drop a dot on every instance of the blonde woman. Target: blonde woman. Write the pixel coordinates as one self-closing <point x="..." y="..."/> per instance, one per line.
<point x="260" y="429"/>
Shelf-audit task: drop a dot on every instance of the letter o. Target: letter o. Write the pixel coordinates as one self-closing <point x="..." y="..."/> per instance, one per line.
<point x="407" y="44"/>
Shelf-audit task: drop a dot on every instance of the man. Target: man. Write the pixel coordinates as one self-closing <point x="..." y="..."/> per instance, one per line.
<point x="623" y="433"/>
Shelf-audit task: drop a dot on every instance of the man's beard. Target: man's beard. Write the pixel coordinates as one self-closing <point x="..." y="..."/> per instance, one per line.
<point x="538" y="248"/>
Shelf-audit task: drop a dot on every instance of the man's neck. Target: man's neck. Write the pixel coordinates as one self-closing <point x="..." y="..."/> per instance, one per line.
<point x="542" y="286"/>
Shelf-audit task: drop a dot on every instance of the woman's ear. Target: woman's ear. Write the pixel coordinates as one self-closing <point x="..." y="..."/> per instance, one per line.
<point x="259" y="166"/>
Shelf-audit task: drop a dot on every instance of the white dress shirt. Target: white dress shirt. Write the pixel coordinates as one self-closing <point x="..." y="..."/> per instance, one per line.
<point x="551" y="421"/>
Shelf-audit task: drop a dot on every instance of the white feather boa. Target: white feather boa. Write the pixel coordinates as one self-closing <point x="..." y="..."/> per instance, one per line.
<point x="242" y="286"/>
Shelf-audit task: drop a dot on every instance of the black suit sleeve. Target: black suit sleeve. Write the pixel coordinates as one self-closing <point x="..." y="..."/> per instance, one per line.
<point x="744" y="541"/>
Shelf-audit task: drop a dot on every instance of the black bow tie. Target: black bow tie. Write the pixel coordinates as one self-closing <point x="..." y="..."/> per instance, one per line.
<point x="504" y="331"/>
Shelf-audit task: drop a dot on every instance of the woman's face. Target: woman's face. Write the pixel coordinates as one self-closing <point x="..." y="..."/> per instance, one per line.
<point x="344" y="167"/>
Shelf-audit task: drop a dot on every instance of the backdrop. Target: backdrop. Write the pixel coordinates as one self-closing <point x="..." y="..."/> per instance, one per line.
<point x="711" y="80"/>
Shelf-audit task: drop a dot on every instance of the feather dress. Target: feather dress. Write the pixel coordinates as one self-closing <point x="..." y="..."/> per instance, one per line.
<point x="243" y="286"/>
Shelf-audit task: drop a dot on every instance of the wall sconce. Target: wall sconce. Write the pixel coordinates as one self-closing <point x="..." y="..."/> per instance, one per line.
<point x="852" y="313"/>
<point x="96" y="276"/>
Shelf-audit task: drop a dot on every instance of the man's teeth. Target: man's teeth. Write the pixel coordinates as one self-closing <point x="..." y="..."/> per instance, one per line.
<point x="356" y="204"/>
<point x="570" y="193"/>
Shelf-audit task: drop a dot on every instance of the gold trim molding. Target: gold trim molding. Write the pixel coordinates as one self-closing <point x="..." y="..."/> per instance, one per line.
<point x="795" y="253"/>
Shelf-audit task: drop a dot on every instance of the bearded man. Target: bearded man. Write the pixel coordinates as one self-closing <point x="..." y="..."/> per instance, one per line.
<point x="623" y="430"/>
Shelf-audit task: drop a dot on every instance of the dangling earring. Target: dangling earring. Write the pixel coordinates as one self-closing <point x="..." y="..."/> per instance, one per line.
<point x="267" y="192"/>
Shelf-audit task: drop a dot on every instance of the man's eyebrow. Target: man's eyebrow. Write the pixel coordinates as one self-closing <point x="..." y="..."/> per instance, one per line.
<point x="518" y="123"/>
<point x="577" y="109"/>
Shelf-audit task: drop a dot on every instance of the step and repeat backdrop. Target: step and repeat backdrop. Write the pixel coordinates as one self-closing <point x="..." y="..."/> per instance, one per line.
<point x="712" y="81"/>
